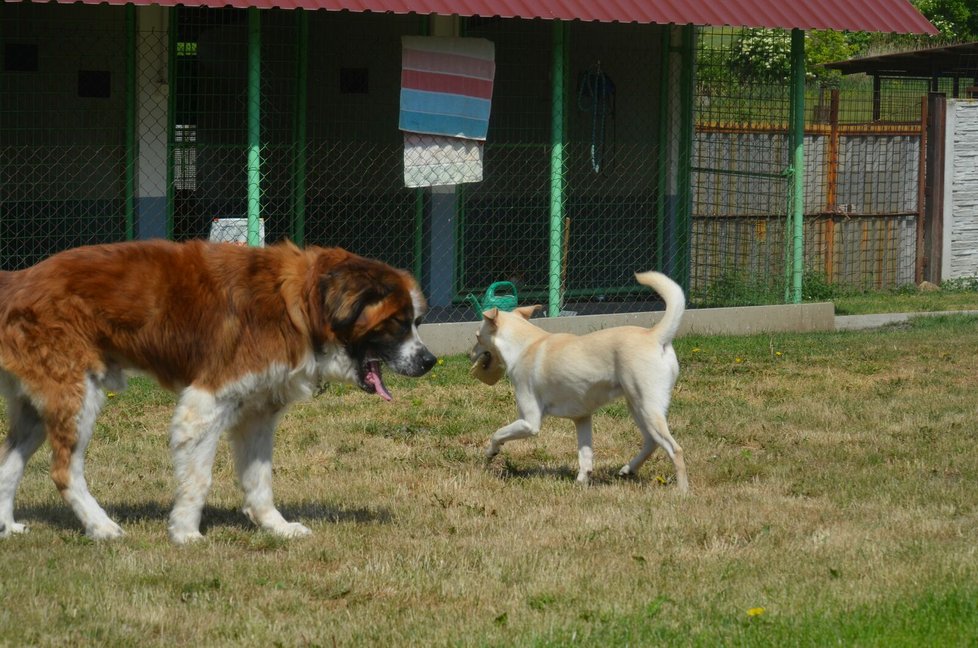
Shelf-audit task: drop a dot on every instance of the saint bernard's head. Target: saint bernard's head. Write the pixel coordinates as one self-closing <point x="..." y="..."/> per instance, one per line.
<point x="372" y="311"/>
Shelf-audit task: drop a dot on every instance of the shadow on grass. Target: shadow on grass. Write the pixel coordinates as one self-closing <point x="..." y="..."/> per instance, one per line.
<point x="59" y="516"/>
<point x="602" y="476"/>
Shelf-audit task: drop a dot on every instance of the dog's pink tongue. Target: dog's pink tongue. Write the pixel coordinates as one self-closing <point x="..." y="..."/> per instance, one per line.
<point x="373" y="378"/>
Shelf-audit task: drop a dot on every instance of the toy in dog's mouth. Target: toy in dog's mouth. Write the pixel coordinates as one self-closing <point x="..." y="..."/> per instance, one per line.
<point x="486" y="367"/>
<point x="372" y="381"/>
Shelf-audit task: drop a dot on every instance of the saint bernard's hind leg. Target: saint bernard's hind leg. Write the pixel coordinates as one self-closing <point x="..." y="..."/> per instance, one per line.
<point x="197" y="424"/>
<point x="25" y="436"/>
<point x="70" y="422"/>
<point x="252" y="442"/>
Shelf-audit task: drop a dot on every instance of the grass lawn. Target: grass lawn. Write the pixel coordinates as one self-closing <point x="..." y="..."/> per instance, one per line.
<point x="833" y="503"/>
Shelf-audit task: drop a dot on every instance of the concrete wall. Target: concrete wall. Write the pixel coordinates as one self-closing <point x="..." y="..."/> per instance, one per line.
<point x="451" y="339"/>
<point x="961" y="190"/>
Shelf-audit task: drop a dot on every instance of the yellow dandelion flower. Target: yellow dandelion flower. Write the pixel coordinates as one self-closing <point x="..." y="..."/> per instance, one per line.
<point x="111" y="394"/>
<point x="777" y="353"/>
<point x="738" y="360"/>
<point x="441" y="361"/>
<point x="696" y="349"/>
<point x="755" y="612"/>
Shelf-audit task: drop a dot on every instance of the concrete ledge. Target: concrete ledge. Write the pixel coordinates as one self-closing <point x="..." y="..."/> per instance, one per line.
<point x="455" y="338"/>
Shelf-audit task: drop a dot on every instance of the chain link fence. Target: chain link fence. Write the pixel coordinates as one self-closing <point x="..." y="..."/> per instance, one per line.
<point x="740" y="181"/>
<point x="863" y="177"/>
<point x="62" y="129"/>
<point x="864" y="200"/>
<point x="118" y="122"/>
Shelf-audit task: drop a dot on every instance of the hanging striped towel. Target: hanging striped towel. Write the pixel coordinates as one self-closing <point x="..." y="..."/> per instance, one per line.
<point x="446" y="86"/>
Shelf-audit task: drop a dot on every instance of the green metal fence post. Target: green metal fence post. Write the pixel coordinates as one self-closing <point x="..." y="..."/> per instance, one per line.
<point x="130" y="171"/>
<point x="797" y="140"/>
<point x="171" y="115"/>
<point x="299" y="137"/>
<point x="254" y="126"/>
<point x="558" y="71"/>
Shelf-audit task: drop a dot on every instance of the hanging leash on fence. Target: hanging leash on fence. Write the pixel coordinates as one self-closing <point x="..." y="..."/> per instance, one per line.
<point x="596" y="94"/>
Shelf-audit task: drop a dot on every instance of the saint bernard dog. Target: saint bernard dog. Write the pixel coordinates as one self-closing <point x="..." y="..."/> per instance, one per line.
<point x="238" y="333"/>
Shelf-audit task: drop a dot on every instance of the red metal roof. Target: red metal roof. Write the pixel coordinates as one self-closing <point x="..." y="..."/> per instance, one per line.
<point x="856" y="15"/>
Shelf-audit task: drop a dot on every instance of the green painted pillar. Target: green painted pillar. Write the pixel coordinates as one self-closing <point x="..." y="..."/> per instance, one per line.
<point x="797" y="152"/>
<point x="171" y="116"/>
<point x="254" y="127"/>
<point x="558" y="73"/>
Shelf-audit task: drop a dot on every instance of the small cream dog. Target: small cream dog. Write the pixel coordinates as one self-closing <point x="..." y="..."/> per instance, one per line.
<point x="571" y="376"/>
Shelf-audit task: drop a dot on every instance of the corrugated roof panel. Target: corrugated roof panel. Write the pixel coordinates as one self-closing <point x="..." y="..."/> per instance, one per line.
<point x="897" y="16"/>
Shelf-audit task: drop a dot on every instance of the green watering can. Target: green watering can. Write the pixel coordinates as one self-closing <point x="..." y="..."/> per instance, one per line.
<point x="505" y="301"/>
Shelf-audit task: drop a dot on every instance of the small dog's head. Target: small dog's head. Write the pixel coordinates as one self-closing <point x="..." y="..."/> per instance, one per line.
<point x="488" y="364"/>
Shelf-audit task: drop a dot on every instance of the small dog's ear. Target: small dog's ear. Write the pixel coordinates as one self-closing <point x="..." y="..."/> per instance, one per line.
<point x="490" y="314"/>
<point x="526" y="312"/>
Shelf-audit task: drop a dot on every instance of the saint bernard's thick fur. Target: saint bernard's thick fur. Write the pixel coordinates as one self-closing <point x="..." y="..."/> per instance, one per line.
<point x="237" y="332"/>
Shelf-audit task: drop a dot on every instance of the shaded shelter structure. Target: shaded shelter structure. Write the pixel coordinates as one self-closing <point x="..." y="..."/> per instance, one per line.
<point x="151" y="119"/>
<point x="956" y="66"/>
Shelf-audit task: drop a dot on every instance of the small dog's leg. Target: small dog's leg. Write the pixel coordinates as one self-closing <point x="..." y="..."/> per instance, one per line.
<point x="585" y="451"/>
<point x="648" y="447"/>
<point x="655" y="432"/>
<point x="25" y="436"/>
<point x="675" y="452"/>
<point x="196" y="428"/>
<point x="518" y="429"/>
<point x="252" y="444"/>
<point x="70" y="428"/>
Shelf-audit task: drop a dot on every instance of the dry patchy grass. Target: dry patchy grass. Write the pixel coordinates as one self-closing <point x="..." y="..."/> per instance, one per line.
<point x="833" y="497"/>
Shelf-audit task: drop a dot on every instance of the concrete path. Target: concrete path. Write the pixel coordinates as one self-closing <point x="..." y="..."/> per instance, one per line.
<point x="859" y="322"/>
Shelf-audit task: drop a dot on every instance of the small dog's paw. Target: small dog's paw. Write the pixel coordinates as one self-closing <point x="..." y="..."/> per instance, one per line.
<point x="626" y="471"/>
<point x="584" y="478"/>
<point x="491" y="452"/>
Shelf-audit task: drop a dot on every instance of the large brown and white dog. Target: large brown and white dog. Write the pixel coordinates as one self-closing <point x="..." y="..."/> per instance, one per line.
<point x="570" y="376"/>
<point x="237" y="332"/>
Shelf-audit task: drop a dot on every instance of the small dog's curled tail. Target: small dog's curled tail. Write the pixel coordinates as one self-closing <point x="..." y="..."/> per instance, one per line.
<point x="675" y="302"/>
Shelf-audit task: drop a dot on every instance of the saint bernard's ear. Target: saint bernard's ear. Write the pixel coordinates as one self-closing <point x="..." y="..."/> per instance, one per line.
<point x="354" y="295"/>
<point x="346" y="292"/>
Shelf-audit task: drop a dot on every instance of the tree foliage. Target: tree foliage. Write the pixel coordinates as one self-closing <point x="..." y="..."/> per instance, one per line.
<point x="956" y="19"/>
<point x="765" y="54"/>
